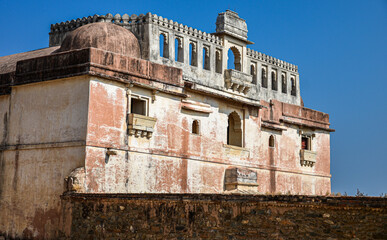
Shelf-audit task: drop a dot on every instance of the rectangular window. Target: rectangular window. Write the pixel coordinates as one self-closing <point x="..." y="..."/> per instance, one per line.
<point x="305" y="143"/>
<point x="139" y="105"/>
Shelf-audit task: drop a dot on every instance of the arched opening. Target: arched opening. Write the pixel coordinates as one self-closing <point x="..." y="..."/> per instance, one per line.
<point x="218" y="61"/>
<point x="293" y="82"/>
<point x="179" y="52"/>
<point x="164" y="48"/>
<point x="234" y="130"/>
<point x="284" y="84"/>
<point x="195" y="127"/>
<point x="264" y="78"/>
<point x="253" y="73"/>
<point x="271" y="141"/>
<point x="274" y="84"/>
<point x="192" y="54"/>
<point x="234" y="59"/>
<point x="206" y="58"/>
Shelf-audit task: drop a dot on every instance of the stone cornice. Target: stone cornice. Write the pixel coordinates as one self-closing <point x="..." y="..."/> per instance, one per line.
<point x="95" y="62"/>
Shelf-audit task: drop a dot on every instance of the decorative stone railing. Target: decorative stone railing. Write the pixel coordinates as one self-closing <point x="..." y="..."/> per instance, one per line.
<point x="140" y="125"/>
<point x="237" y="81"/>
<point x="271" y="60"/>
<point x="307" y="157"/>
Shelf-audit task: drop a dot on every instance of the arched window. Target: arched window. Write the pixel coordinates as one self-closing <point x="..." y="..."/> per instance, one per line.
<point x="264" y="78"/>
<point x="234" y="59"/>
<point x="284" y="83"/>
<point x="193" y="54"/>
<point x="195" y="127"/>
<point x="293" y="82"/>
<point x="164" y="47"/>
<point x="218" y="61"/>
<point x="206" y="58"/>
<point x="234" y="130"/>
<point x="271" y="141"/>
<point x="179" y="50"/>
<point x="274" y="84"/>
<point x="253" y="73"/>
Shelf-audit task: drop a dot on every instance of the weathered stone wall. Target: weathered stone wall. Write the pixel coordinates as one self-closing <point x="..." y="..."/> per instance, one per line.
<point x="188" y="216"/>
<point x="197" y="161"/>
<point x="43" y="131"/>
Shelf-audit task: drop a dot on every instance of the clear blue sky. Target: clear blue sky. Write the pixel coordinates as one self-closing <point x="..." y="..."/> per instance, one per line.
<point x="339" y="46"/>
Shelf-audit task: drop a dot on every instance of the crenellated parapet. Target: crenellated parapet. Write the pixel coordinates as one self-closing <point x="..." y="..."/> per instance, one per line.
<point x="184" y="29"/>
<point x="59" y="30"/>
<point x="127" y="20"/>
<point x="271" y="60"/>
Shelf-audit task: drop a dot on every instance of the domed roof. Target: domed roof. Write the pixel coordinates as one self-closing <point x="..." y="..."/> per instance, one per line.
<point x="106" y="36"/>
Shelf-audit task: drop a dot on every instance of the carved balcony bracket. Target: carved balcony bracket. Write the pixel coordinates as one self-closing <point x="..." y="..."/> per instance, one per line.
<point x="307" y="158"/>
<point x="140" y="125"/>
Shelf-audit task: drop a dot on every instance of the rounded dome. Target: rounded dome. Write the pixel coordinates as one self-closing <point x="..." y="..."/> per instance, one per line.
<point x="106" y="36"/>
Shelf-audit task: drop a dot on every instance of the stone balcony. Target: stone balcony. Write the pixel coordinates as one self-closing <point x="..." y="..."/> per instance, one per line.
<point x="237" y="81"/>
<point x="307" y="157"/>
<point x="140" y="125"/>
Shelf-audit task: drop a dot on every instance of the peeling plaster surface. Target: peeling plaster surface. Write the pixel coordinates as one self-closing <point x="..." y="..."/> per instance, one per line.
<point x="177" y="161"/>
<point x="51" y="128"/>
<point x="41" y="145"/>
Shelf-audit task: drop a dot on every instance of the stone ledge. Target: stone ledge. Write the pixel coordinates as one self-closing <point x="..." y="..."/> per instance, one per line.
<point x="347" y="201"/>
<point x="235" y="148"/>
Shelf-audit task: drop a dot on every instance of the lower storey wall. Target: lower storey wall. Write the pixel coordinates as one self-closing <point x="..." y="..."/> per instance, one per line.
<point x="205" y="216"/>
<point x="139" y="172"/>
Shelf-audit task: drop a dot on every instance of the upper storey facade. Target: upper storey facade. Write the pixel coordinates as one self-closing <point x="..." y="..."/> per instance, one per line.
<point x="203" y="56"/>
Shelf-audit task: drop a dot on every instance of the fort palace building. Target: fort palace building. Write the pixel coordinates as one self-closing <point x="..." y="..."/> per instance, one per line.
<point x="143" y="104"/>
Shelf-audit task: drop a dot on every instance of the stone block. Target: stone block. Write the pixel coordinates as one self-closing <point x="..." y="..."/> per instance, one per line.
<point x="241" y="179"/>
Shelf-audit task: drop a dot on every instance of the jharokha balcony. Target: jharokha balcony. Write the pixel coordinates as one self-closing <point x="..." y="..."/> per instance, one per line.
<point x="140" y="125"/>
<point x="237" y="81"/>
<point x="307" y="157"/>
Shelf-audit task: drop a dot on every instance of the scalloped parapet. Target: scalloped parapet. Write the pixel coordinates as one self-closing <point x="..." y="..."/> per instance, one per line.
<point x="59" y="30"/>
<point x="126" y="20"/>
<point x="271" y="60"/>
<point x="164" y="22"/>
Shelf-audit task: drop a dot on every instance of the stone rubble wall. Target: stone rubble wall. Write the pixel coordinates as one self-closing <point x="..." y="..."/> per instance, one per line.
<point x="201" y="216"/>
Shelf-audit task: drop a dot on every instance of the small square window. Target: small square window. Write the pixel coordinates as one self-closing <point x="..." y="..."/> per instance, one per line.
<point x="138" y="106"/>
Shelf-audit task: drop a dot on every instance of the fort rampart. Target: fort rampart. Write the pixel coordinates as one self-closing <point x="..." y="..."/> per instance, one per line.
<point x="209" y="216"/>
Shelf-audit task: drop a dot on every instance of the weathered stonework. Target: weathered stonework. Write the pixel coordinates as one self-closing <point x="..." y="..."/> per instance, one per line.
<point x="108" y="112"/>
<point x="200" y="216"/>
